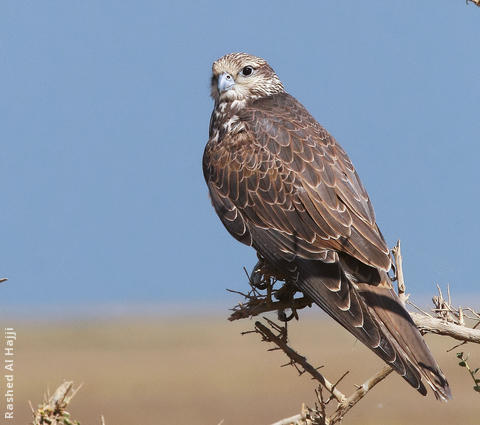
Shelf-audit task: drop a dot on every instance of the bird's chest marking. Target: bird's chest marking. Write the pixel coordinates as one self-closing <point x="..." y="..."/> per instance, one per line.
<point x="226" y="120"/>
<point x="233" y="125"/>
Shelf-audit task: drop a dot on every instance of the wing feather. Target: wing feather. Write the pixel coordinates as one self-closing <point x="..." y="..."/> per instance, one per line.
<point x="285" y="159"/>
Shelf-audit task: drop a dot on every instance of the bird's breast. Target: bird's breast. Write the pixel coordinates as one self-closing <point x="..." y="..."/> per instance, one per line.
<point x="225" y="121"/>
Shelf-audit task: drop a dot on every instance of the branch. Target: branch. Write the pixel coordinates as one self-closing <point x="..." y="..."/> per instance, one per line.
<point x="397" y="255"/>
<point x="259" y="306"/>
<point x="281" y="343"/>
<point x="344" y="403"/>
<point x="291" y="420"/>
<point x="429" y="324"/>
<point x="359" y="394"/>
<point x="425" y="323"/>
<point x="446" y="320"/>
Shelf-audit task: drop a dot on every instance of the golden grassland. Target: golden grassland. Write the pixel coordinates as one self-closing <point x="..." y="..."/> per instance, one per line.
<point x="200" y="370"/>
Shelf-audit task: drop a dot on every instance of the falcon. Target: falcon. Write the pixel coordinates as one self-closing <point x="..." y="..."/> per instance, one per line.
<point x="281" y="183"/>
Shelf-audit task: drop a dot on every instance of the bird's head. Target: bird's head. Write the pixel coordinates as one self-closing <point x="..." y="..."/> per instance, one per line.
<point x="240" y="76"/>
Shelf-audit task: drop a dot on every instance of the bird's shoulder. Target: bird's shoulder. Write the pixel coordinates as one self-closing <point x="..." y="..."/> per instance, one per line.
<point x="277" y="125"/>
<point x="282" y="111"/>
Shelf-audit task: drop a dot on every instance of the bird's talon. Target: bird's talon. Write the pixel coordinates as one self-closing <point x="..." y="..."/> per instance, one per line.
<point x="282" y="315"/>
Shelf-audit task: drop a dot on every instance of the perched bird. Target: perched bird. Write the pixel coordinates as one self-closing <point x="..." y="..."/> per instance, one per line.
<point x="281" y="183"/>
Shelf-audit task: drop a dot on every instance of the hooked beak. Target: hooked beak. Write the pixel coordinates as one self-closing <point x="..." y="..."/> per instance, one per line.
<point x="225" y="82"/>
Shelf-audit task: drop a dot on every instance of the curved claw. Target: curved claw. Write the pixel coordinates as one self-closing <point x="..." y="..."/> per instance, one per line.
<point x="282" y="316"/>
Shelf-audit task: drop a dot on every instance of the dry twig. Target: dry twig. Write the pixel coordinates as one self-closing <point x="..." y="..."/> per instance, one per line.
<point x="344" y="403"/>
<point x="397" y="255"/>
<point x="296" y="359"/>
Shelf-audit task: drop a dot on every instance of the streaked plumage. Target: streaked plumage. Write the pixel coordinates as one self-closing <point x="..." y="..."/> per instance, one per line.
<point x="282" y="184"/>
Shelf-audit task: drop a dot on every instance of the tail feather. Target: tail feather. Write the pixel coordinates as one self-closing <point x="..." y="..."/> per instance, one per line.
<point x="384" y="303"/>
<point x="374" y="314"/>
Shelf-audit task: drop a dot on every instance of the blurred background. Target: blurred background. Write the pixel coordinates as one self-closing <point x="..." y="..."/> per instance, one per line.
<point x="117" y="263"/>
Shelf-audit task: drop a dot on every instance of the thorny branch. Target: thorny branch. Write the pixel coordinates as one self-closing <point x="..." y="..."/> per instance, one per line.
<point x="267" y="295"/>
<point x="296" y="359"/>
<point x="344" y="403"/>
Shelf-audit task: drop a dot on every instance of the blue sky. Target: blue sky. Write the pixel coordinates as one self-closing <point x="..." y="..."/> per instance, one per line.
<point x="105" y="109"/>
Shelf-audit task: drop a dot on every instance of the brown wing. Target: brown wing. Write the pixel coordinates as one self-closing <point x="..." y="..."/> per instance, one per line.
<point x="285" y="173"/>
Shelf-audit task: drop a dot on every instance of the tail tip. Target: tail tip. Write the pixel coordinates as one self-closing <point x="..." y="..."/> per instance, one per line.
<point x="442" y="390"/>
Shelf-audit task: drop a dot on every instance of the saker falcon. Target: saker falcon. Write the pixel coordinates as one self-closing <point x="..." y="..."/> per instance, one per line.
<point x="281" y="183"/>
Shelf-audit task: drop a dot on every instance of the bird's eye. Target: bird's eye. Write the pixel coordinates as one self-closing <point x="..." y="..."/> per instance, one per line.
<point x="248" y="70"/>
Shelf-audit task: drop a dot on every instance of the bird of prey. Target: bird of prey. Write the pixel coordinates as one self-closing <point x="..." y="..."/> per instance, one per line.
<point x="281" y="183"/>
